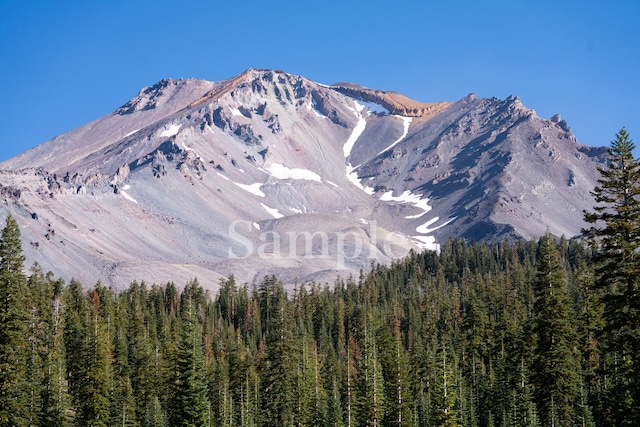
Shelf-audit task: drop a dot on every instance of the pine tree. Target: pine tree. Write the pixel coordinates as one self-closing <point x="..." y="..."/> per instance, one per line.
<point x="49" y="396"/>
<point x="95" y="370"/>
<point x="189" y="406"/>
<point x="140" y="351"/>
<point x="476" y="323"/>
<point x="555" y="365"/>
<point x="14" y="349"/>
<point x="76" y="316"/>
<point x="615" y="236"/>
<point x="305" y="375"/>
<point x="444" y="411"/>
<point x="394" y="367"/>
<point x="279" y="375"/>
<point x="56" y="400"/>
<point x="371" y="405"/>
<point x="590" y="322"/>
<point x="37" y="311"/>
<point x="123" y="404"/>
<point x="155" y="415"/>
<point x="237" y="383"/>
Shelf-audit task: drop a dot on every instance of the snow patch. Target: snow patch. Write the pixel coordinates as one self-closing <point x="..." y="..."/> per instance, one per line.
<point x="235" y="111"/>
<point x="426" y="243"/>
<point x="173" y="130"/>
<point x="252" y="188"/>
<point x="406" y="122"/>
<point x="280" y="171"/>
<point x="222" y="176"/>
<point x="333" y="183"/>
<point x="357" y="131"/>
<point x="131" y="133"/>
<point x="373" y="107"/>
<point x="128" y="197"/>
<point x="256" y="226"/>
<point x="294" y="210"/>
<point x="410" y="198"/>
<point x="274" y="212"/>
<point x="423" y="242"/>
<point x="352" y="176"/>
<point x="426" y="227"/>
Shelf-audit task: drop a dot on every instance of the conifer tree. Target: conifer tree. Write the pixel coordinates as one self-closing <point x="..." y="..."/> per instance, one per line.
<point x="394" y="367"/>
<point x="56" y="404"/>
<point x="123" y="405"/>
<point x="555" y="368"/>
<point x="155" y="415"/>
<point x="476" y="341"/>
<point x="14" y="351"/>
<point x="74" y="335"/>
<point x="305" y="397"/>
<point x="279" y="375"/>
<point x="444" y="410"/>
<point x="47" y="370"/>
<point x="95" y="370"/>
<point x="615" y="236"/>
<point x="188" y="399"/>
<point x="371" y="405"/>
<point x="37" y="311"/>
<point x="240" y="384"/>
<point x="140" y="352"/>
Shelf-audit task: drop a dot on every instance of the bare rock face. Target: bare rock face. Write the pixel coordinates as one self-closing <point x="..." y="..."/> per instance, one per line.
<point x="394" y="102"/>
<point x="270" y="173"/>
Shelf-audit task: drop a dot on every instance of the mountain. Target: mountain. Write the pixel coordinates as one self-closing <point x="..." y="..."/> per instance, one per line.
<point x="271" y="173"/>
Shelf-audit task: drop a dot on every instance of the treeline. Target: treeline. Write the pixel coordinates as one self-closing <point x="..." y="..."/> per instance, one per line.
<point x="537" y="333"/>
<point x="454" y="338"/>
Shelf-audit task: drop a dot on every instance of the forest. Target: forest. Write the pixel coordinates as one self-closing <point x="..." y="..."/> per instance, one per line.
<point x="513" y="333"/>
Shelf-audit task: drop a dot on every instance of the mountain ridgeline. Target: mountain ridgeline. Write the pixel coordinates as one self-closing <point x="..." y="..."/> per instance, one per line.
<point x="271" y="173"/>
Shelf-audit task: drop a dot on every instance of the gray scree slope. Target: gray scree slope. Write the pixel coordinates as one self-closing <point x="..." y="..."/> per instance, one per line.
<point x="271" y="173"/>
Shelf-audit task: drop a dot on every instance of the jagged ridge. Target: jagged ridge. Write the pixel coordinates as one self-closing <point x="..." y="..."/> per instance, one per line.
<point x="155" y="190"/>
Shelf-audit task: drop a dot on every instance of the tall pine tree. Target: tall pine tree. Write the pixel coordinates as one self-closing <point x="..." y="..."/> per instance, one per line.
<point x="615" y="236"/>
<point x="95" y="370"/>
<point x="14" y="351"/>
<point x="555" y="365"/>
<point x="188" y="400"/>
<point x="278" y="402"/>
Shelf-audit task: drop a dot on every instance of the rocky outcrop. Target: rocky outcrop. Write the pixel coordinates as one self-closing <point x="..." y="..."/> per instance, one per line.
<point x="147" y="98"/>
<point x="394" y="102"/>
<point x="271" y="173"/>
<point x="10" y="194"/>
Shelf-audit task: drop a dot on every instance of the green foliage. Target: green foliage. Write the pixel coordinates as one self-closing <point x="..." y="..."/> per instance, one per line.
<point x="614" y="236"/>
<point x="278" y="392"/>
<point x="17" y="378"/>
<point x="46" y="326"/>
<point x="507" y="333"/>
<point x="94" y="387"/>
<point x="555" y="371"/>
<point x="188" y="389"/>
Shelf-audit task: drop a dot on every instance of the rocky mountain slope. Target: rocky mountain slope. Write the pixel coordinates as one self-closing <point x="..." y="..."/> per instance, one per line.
<point x="269" y="172"/>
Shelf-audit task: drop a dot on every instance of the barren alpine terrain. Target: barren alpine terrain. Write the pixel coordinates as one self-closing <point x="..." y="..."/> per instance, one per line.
<point x="271" y="173"/>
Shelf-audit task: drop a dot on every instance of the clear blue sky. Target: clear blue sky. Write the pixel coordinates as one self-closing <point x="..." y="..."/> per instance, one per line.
<point x="65" y="63"/>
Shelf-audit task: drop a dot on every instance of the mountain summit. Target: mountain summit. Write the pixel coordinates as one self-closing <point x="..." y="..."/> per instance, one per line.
<point x="271" y="173"/>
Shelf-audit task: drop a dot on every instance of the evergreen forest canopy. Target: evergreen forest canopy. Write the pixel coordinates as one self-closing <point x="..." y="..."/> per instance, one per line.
<point x="524" y="333"/>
